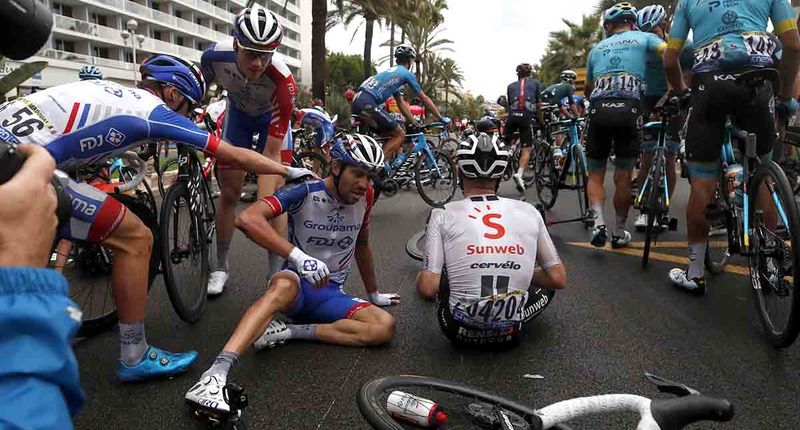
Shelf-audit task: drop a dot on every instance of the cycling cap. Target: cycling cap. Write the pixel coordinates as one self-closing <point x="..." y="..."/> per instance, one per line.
<point x="358" y="150"/>
<point x="175" y="72"/>
<point x="482" y="156"/>
<point x="620" y="12"/>
<point x="89" y="72"/>
<point x="650" y="17"/>
<point x="258" y="26"/>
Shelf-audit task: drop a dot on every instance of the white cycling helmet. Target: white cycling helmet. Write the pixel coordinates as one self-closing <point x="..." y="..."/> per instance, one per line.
<point x="258" y="26"/>
<point x="650" y="17"/>
<point x="482" y="156"/>
<point x="359" y="150"/>
<point x="568" y="76"/>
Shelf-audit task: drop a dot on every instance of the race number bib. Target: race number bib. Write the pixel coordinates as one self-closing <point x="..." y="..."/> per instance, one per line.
<point x="495" y="312"/>
<point x="710" y="52"/>
<point x="622" y="85"/>
<point x="758" y="44"/>
<point x="23" y="122"/>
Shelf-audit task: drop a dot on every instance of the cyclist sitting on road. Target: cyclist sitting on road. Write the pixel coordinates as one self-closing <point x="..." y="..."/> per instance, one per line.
<point x="373" y="93"/>
<point x="614" y="82"/>
<point x="261" y="92"/>
<point x="330" y="220"/>
<point x="85" y="122"/>
<point x="88" y="73"/>
<point x="487" y="256"/>
<point x="523" y="103"/>
<point x="730" y="38"/>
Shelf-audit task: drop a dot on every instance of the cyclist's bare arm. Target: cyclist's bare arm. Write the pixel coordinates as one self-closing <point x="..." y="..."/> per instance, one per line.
<point x="539" y="111"/>
<point x="574" y="109"/>
<point x="672" y="68"/>
<point x="429" y="104"/>
<point x="550" y="272"/>
<point x="790" y="61"/>
<point x="248" y="160"/>
<point x="404" y="109"/>
<point x="366" y="262"/>
<point x="254" y="223"/>
<point x="428" y="284"/>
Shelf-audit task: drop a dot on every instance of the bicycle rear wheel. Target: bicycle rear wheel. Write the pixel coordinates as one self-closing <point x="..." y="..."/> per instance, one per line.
<point x="720" y="218"/>
<point x="467" y="407"/>
<point x="655" y="206"/>
<point x="185" y="253"/>
<point x="774" y="254"/>
<point x="545" y="176"/>
<point x="581" y="184"/>
<point x="436" y="179"/>
<point x="313" y="161"/>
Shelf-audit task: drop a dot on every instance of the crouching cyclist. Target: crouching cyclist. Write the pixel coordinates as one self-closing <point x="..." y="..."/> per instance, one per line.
<point x="329" y="226"/>
<point x="489" y="260"/>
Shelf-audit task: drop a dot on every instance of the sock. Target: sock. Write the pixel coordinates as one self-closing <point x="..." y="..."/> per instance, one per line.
<point x="274" y="264"/>
<point x="619" y="228"/>
<point x="599" y="219"/>
<point x="132" y="343"/>
<point x="520" y="171"/>
<point x="222" y="256"/>
<point x="697" y="255"/>
<point x="222" y="364"/>
<point x="303" y="331"/>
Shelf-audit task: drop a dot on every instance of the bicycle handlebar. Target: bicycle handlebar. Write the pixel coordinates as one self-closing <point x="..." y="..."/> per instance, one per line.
<point x="141" y="170"/>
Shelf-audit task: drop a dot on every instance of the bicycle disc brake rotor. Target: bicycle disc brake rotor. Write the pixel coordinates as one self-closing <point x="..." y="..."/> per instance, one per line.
<point x="489" y="417"/>
<point x="777" y="264"/>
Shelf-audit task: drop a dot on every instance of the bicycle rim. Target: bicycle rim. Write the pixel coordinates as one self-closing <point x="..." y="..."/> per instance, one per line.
<point x="456" y="399"/>
<point x="314" y="162"/>
<point x="185" y="254"/>
<point x="163" y="182"/>
<point x="546" y="177"/>
<point x="436" y="182"/>
<point x="774" y="256"/>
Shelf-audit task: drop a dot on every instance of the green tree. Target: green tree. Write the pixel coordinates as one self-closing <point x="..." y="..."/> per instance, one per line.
<point x="343" y="69"/>
<point x="370" y="11"/>
<point x="319" y="23"/>
<point x="569" y="48"/>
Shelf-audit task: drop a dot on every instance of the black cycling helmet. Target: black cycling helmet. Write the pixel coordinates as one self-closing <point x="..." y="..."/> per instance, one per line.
<point x="482" y="156"/>
<point x="486" y="124"/>
<point x="405" y="52"/>
<point x="524" y="69"/>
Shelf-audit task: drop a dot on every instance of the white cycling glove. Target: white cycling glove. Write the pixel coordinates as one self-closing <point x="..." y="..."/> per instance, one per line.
<point x="380" y="299"/>
<point x="293" y="173"/>
<point x="310" y="268"/>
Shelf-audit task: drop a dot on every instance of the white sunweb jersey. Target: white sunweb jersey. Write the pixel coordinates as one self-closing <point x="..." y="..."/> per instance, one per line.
<point x="489" y="247"/>
<point x="322" y="226"/>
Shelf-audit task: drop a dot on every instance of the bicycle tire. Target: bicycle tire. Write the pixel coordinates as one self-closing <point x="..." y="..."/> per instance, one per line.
<point x="449" y="145"/>
<point x="313" y="161"/>
<point x="374" y="411"/>
<point x="93" y="326"/>
<point x="653" y="207"/>
<point x="546" y="176"/>
<point x="582" y="184"/>
<point x="128" y="174"/>
<point x="785" y="337"/>
<point x="189" y="310"/>
<point x="162" y="189"/>
<point x="412" y="246"/>
<point x="418" y="177"/>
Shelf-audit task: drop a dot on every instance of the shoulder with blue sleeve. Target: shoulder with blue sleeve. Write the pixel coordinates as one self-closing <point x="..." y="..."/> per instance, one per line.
<point x="168" y="125"/>
<point x="290" y="198"/>
<point x="410" y="79"/>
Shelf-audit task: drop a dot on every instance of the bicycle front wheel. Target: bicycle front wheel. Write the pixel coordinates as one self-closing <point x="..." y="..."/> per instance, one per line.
<point x="166" y="176"/>
<point x="581" y="184"/>
<point x="435" y="177"/>
<point x="185" y="253"/>
<point x="774" y="254"/>
<point x="466" y="406"/>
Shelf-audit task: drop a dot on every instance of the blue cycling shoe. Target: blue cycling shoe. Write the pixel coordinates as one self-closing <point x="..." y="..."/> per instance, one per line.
<point x="156" y="363"/>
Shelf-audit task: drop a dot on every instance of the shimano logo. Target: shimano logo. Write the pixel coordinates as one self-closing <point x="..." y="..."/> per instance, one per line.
<point x="509" y="265"/>
<point x="326" y="227"/>
<point x="495" y="249"/>
<point x="726" y="77"/>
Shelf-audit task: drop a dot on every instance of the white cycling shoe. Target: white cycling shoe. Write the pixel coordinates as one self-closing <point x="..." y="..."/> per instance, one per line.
<point x="277" y="333"/>
<point x="216" y="282"/>
<point x="620" y="241"/>
<point x="207" y="394"/>
<point x="680" y="278"/>
<point x="641" y="222"/>
<point x="518" y="182"/>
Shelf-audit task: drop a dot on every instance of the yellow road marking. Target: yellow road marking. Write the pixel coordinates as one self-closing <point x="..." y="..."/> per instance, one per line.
<point x="675" y="245"/>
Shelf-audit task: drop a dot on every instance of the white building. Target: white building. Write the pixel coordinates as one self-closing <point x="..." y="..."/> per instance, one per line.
<point x="96" y="32"/>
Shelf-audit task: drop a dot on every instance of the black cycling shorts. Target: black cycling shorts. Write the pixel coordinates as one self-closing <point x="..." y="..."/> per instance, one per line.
<point x="365" y="105"/>
<point x="519" y="121"/>
<point x="650" y="135"/>
<point x="716" y="95"/>
<point x="613" y="123"/>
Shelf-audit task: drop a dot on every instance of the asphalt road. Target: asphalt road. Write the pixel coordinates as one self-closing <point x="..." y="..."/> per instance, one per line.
<point x="613" y="322"/>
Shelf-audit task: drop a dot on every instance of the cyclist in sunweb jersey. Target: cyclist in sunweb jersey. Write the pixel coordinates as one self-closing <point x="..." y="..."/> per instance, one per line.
<point x="89" y="121"/>
<point x="329" y="224"/>
<point x="614" y="82"/>
<point x="486" y="256"/>
<point x="261" y="94"/>
<point x="730" y="37"/>
<point x="523" y="103"/>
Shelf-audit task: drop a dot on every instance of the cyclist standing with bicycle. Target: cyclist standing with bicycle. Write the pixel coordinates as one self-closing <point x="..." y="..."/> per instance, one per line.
<point x="523" y="103"/>
<point x="614" y="82"/>
<point x="261" y="93"/>
<point x="730" y="38"/>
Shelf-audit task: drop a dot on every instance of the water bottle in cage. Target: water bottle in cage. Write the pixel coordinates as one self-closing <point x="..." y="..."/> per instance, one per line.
<point x="415" y="410"/>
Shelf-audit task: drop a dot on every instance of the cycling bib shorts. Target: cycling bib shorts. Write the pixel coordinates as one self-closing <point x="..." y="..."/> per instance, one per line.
<point x="613" y="123"/>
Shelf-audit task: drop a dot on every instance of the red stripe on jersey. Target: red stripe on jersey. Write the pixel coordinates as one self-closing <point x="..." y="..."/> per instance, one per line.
<point x="107" y="220"/>
<point x="274" y="204"/>
<point x="212" y="143"/>
<point x="370" y="196"/>
<point x="522" y="93"/>
<point x="72" y="115"/>
<point x="355" y="308"/>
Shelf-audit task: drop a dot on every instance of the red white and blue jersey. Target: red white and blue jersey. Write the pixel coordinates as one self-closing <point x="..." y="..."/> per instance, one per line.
<point x="84" y="122"/>
<point x="272" y="94"/>
<point x="322" y="226"/>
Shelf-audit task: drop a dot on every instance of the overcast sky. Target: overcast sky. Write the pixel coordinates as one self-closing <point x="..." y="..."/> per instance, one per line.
<point x="489" y="37"/>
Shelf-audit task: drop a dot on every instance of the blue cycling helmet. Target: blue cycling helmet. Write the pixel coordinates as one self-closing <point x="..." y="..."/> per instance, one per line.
<point x="175" y="72"/>
<point x="650" y="17"/>
<point x="620" y="12"/>
<point x="319" y="121"/>
<point x="358" y="150"/>
<point x="87" y="73"/>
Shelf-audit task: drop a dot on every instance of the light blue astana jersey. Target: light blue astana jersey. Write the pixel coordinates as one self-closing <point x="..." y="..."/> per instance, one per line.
<point x="616" y="64"/>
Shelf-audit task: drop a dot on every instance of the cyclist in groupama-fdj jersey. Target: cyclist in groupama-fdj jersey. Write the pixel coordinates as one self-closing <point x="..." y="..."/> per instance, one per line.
<point x="730" y="37"/>
<point x="615" y="79"/>
<point x="83" y="123"/>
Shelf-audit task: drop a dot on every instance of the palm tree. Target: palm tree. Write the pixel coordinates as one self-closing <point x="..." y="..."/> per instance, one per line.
<point x="568" y="48"/>
<point x="349" y="10"/>
<point x="423" y="30"/>
<point x="319" y="22"/>
<point x="452" y="79"/>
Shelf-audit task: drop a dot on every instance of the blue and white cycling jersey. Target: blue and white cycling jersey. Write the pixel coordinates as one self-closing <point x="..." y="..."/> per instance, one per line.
<point x="731" y="33"/>
<point x="320" y="122"/>
<point x="322" y="226"/>
<point x="616" y="64"/>
<point x="388" y="83"/>
<point x="83" y="122"/>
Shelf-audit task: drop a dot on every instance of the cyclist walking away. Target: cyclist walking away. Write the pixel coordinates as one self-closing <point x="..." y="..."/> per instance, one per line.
<point x="78" y="134"/>
<point x="730" y="38"/>
<point x="330" y="225"/>
<point x="486" y="251"/>
<point x="373" y="93"/>
<point x="522" y="104"/>
<point x="614" y="82"/>
<point x="89" y="73"/>
<point x="261" y="92"/>
<point x="652" y="19"/>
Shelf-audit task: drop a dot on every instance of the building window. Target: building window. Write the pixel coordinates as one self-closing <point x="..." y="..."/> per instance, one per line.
<point x="177" y="13"/>
<point x="157" y="34"/>
<point x="179" y="41"/>
<point x="65" y="45"/>
<point x="99" y="19"/>
<point x="198" y="21"/>
<point x="128" y="56"/>
<point x="62" y="9"/>
<point x="98" y="51"/>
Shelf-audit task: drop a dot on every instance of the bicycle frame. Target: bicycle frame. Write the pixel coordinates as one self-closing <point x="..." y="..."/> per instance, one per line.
<point x="658" y="154"/>
<point x="420" y="147"/>
<point x="574" y="145"/>
<point x="191" y="171"/>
